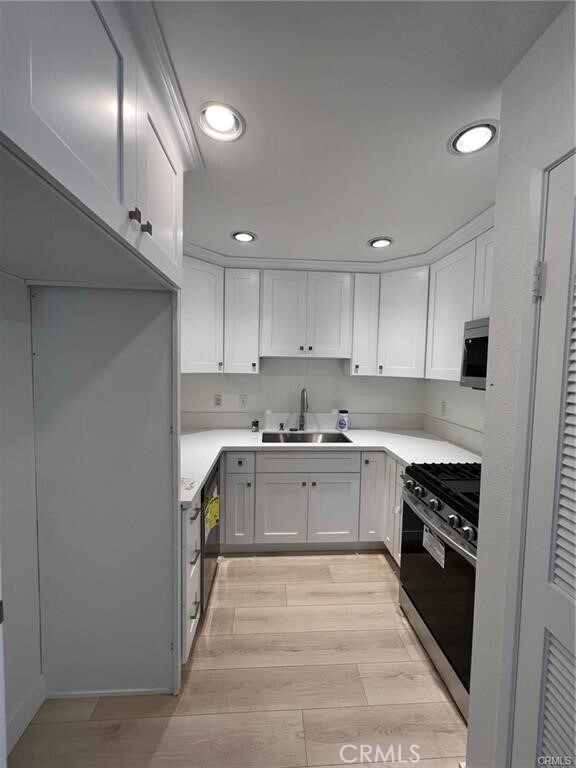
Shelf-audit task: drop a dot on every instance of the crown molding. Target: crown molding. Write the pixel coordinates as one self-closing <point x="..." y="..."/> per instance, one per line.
<point x="148" y="36"/>
<point x="461" y="236"/>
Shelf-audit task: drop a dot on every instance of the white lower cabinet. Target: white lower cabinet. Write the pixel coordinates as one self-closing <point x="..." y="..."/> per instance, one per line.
<point x="281" y="508"/>
<point x="239" y="508"/>
<point x="333" y="507"/>
<point x="389" y="503"/>
<point x="372" y="495"/>
<point x="397" y="524"/>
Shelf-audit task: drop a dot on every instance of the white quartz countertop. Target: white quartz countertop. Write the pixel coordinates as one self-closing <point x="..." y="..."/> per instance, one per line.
<point x="199" y="451"/>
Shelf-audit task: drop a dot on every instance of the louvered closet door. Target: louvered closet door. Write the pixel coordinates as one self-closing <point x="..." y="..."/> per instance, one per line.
<point x="544" y="721"/>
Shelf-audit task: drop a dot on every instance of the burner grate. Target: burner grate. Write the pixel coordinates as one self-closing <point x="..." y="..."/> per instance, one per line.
<point x="456" y="484"/>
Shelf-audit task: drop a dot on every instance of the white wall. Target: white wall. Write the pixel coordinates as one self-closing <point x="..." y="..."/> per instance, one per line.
<point x="455" y="413"/>
<point x="372" y="402"/>
<point x="24" y="681"/>
<point x="537" y="130"/>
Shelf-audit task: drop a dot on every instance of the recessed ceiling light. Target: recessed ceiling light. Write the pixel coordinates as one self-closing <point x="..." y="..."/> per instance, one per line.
<point x="474" y="137"/>
<point x="382" y="241"/>
<point x="220" y="121"/>
<point x="244" y="237"/>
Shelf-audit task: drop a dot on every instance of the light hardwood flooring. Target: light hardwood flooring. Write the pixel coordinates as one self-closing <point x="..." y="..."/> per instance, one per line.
<point x="298" y="657"/>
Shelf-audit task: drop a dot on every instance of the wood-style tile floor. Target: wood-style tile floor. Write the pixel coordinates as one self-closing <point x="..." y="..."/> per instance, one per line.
<point x="298" y="657"/>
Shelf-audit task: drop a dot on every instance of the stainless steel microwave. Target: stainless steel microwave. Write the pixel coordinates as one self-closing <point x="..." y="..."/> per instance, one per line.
<point x="475" y="354"/>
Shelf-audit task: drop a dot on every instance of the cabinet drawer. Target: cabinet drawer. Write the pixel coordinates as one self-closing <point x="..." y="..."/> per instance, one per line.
<point x="308" y="461"/>
<point x="191" y="602"/>
<point x="239" y="462"/>
<point x="192" y="526"/>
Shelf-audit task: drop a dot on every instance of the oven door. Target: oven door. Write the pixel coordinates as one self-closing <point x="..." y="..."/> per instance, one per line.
<point x="438" y="576"/>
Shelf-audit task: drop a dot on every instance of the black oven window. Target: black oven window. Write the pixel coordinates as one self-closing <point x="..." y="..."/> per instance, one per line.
<point x="476" y="356"/>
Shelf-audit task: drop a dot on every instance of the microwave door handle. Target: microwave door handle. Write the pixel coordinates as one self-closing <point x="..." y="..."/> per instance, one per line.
<point x="441" y="535"/>
<point x="464" y="370"/>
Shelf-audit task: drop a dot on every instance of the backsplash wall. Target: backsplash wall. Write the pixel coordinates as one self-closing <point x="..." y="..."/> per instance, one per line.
<point x="455" y="413"/>
<point x="373" y="402"/>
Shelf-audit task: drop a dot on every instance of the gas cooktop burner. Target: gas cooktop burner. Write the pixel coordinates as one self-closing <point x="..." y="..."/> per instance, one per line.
<point x="457" y="485"/>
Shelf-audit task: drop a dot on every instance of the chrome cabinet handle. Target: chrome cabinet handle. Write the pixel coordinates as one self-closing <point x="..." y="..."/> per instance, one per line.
<point x="197" y="511"/>
<point x="196" y="556"/>
<point x="146" y="227"/>
<point x="135" y="214"/>
<point x="194" y="616"/>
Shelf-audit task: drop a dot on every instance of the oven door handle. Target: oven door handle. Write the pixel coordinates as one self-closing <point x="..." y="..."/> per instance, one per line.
<point x="441" y="535"/>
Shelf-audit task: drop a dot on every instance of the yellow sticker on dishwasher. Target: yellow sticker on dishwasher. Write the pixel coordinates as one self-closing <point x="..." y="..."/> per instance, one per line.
<point x="212" y="515"/>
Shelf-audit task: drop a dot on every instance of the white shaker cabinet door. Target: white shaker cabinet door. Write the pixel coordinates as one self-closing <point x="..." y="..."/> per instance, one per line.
<point x="389" y="502"/>
<point x="403" y="315"/>
<point x="67" y="99"/>
<point x="372" y="495"/>
<point x="329" y="327"/>
<point x="333" y="507"/>
<point x="397" y="524"/>
<point x="160" y="188"/>
<point x="365" y="325"/>
<point x="240" y="509"/>
<point x="241" y="320"/>
<point x="283" y="321"/>
<point x="202" y="317"/>
<point x="450" y="306"/>
<point x="281" y="508"/>
<point x="483" y="273"/>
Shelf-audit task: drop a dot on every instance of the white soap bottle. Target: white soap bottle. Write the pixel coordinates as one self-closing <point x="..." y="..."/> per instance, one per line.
<point x="343" y="420"/>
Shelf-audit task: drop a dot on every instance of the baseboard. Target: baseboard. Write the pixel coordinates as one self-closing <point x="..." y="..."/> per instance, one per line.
<point x="111" y="692"/>
<point x="24" y="715"/>
<point x="301" y="549"/>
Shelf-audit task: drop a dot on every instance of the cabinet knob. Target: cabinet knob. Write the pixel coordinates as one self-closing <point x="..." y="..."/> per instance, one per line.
<point x="380" y="368"/>
<point x="366" y="461"/>
<point x="356" y="368"/>
<point x="240" y="462"/>
<point x="302" y="348"/>
<point x="146" y="227"/>
<point x="303" y="485"/>
<point x="309" y="349"/>
<point x="135" y="214"/>
<point x="220" y="366"/>
<point x="253" y="366"/>
<point x="248" y="485"/>
<point x="314" y="484"/>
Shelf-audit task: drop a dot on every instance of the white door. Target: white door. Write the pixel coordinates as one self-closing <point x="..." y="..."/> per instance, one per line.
<point x="365" y="325"/>
<point x="545" y="686"/>
<point x="202" y="317"/>
<point x="450" y="306"/>
<point x="389" y="501"/>
<point x="483" y="273"/>
<point x="159" y="189"/>
<point x="241" y="320"/>
<point x="372" y="495"/>
<point x="333" y="507"/>
<point x="67" y="98"/>
<point x="281" y="508"/>
<point x="329" y="327"/>
<point x="283" y="322"/>
<point x="403" y="316"/>
<point x="240" y="509"/>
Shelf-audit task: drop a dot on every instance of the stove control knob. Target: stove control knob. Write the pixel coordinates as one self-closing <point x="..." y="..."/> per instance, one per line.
<point x="409" y="485"/>
<point x="435" y="505"/>
<point x="468" y="533"/>
<point x="419" y="491"/>
<point x="454" y="521"/>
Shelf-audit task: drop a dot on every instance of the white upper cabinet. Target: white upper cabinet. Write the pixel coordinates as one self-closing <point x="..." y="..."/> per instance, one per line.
<point x="306" y="314"/>
<point x="160" y="187"/>
<point x="450" y="306"/>
<point x="202" y="318"/>
<point x="365" y="325"/>
<point x="68" y="99"/>
<point x="329" y="332"/>
<point x="241" y="320"/>
<point x="283" y="327"/>
<point x="483" y="274"/>
<point x="403" y="315"/>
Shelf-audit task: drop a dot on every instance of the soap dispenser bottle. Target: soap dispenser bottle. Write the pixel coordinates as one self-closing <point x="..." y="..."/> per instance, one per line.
<point x="343" y="420"/>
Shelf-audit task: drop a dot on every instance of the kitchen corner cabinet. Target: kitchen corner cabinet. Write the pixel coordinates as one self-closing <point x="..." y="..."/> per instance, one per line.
<point x="281" y="508"/>
<point x="450" y="306"/>
<point x="306" y="314"/>
<point x="372" y="495"/>
<point x="202" y="317"/>
<point x="241" y="320"/>
<point x="483" y="274"/>
<point x="333" y="507"/>
<point x="239" y="506"/>
<point x="364" y="359"/>
<point x="403" y="316"/>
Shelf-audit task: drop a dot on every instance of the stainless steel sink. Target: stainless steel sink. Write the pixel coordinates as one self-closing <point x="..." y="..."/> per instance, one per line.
<point x="304" y="437"/>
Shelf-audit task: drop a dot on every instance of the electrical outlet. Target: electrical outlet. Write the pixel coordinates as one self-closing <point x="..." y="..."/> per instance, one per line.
<point x="443" y="406"/>
<point x="243" y="401"/>
<point x="218" y="401"/>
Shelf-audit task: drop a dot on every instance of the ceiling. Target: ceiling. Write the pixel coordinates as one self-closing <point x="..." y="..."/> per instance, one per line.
<point x="348" y="107"/>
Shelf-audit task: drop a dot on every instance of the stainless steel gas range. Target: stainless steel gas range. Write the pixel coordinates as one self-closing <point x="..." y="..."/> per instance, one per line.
<point x="438" y="566"/>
